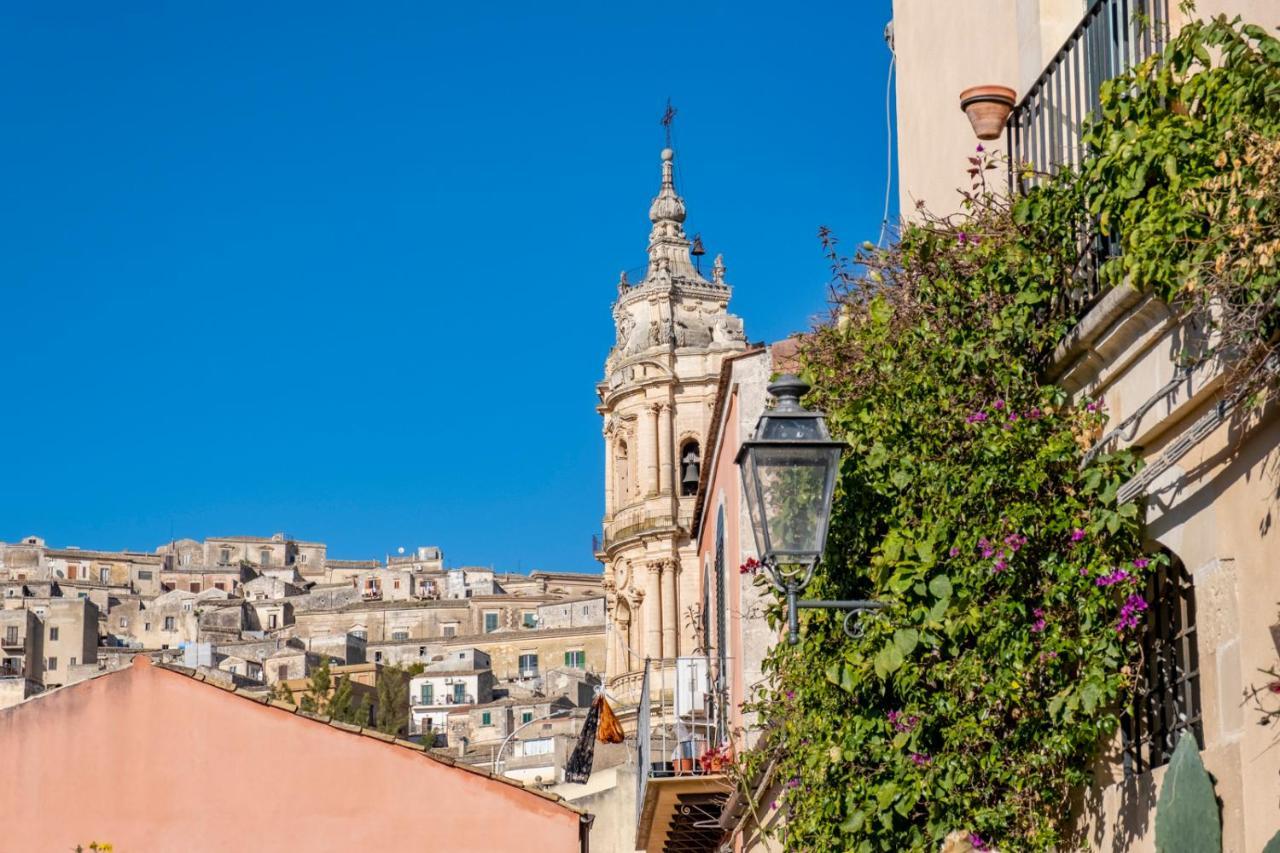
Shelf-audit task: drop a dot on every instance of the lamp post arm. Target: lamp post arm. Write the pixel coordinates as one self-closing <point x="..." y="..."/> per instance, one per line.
<point x="498" y="758"/>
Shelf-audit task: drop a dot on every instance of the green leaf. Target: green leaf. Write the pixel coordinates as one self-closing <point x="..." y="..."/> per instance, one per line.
<point x="889" y="660"/>
<point x="1187" y="819"/>
<point x="854" y="822"/>
<point x="1089" y="696"/>
<point x="940" y="586"/>
<point x="1273" y="846"/>
<point x="906" y="640"/>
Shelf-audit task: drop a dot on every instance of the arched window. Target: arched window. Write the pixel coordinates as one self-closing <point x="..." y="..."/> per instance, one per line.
<point x="621" y="474"/>
<point x="1167" y="699"/>
<point x="690" y="467"/>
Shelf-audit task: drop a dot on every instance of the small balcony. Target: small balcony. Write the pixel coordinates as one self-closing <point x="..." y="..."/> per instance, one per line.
<point x="681" y="787"/>
<point x="1045" y="130"/>
<point x="631" y="523"/>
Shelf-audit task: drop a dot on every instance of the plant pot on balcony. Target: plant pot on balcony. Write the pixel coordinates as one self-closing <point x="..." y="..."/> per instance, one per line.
<point x="684" y="766"/>
<point x="988" y="108"/>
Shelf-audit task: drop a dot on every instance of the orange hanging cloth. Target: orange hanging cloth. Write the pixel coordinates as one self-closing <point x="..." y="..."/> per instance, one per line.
<point x="610" y="729"/>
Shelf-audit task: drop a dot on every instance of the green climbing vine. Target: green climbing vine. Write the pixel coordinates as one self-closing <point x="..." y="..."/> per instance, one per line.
<point x="977" y="701"/>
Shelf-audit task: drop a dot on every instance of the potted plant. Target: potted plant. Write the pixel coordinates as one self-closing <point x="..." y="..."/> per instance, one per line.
<point x="988" y="108"/>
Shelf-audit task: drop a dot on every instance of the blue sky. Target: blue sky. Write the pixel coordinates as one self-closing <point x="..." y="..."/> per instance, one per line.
<point x="345" y="270"/>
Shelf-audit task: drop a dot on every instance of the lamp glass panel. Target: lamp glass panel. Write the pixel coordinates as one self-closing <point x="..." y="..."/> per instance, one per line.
<point x="794" y="485"/>
<point x="752" y="492"/>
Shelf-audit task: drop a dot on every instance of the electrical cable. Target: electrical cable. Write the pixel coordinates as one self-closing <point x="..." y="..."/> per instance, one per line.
<point x="888" y="132"/>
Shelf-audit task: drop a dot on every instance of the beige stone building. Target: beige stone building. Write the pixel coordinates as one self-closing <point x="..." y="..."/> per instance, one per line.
<point x="672" y="329"/>
<point x="936" y="58"/>
<point x="1210" y="482"/>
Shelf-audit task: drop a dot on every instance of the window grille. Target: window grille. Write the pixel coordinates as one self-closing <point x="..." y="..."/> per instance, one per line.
<point x="1167" y="697"/>
<point x="722" y="641"/>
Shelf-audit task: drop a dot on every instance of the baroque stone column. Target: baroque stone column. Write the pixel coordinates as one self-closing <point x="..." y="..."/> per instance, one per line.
<point x="652" y="484"/>
<point x="610" y="475"/>
<point x="671" y="620"/>
<point x="653" y="611"/>
<point x="665" y="466"/>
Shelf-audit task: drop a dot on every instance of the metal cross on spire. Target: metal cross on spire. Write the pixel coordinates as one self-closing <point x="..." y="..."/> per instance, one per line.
<point x="668" y="117"/>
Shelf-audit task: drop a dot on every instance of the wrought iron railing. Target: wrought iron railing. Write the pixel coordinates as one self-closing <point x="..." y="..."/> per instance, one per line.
<point x="1046" y="129"/>
<point x="689" y="718"/>
<point x="644" y="741"/>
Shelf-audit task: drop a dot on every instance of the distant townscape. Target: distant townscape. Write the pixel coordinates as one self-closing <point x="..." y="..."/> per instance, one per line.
<point x="459" y="658"/>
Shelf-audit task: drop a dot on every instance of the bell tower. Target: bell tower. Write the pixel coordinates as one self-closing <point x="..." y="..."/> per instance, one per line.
<point x="673" y="330"/>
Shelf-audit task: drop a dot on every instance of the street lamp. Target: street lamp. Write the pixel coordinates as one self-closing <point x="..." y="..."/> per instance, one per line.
<point x="789" y="469"/>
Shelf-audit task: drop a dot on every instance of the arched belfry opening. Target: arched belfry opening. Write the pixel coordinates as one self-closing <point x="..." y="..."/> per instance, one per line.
<point x="690" y="467"/>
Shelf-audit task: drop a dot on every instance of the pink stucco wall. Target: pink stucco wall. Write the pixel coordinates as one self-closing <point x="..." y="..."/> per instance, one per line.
<point x="155" y="761"/>
<point x="724" y="489"/>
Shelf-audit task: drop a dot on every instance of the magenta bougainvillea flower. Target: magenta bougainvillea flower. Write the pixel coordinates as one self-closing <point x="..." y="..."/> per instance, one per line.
<point x="1133" y="605"/>
<point x="1113" y="578"/>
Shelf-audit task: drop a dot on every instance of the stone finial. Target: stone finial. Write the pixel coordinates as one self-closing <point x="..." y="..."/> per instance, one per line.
<point x="667" y="206"/>
<point x="717" y="270"/>
<point x="623" y="284"/>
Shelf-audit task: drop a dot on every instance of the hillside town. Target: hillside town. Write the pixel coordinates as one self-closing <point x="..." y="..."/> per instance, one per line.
<point x="477" y="654"/>
<point x="981" y="561"/>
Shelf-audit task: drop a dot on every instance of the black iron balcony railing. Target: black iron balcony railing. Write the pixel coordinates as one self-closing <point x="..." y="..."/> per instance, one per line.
<point x="1046" y="127"/>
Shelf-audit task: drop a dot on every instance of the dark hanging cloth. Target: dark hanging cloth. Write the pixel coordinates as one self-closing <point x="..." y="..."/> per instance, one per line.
<point x="578" y="767"/>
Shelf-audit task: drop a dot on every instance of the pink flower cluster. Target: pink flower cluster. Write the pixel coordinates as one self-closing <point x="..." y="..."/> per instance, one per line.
<point x="1133" y="605"/>
<point x="1013" y="543"/>
<point x="749" y="567"/>
<point x="920" y="759"/>
<point x="1040" y="624"/>
<point x="1118" y="576"/>
<point x="901" y="722"/>
<point x="977" y="842"/>
<point x="1012" y="418"/>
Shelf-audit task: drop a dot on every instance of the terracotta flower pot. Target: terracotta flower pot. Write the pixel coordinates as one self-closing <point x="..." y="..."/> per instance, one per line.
<point x="987" y="108"/>
<point x="684" y="766"/>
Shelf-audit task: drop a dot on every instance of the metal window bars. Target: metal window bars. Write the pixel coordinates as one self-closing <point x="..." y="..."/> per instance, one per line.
<point x="1167" y="699"/>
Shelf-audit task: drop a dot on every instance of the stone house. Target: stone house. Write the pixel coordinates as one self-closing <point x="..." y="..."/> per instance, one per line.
<point x="263" y="552"/>
<point x="70" y="627"/>
<point x="22" y="665"/>
<point x="289" y="663"/>
<point x="461" y="680"/>
<point x="268" y="587"/>
<point x="578" y="612"/>
<point x="23" y="560"/>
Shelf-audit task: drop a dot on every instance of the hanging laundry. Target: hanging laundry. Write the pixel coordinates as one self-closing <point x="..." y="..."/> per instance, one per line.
<point x="610" y="728"/>
<point x="578" y="767"/>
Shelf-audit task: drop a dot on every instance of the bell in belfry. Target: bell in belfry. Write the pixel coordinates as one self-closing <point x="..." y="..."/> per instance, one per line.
<point x="689" y="480"/>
